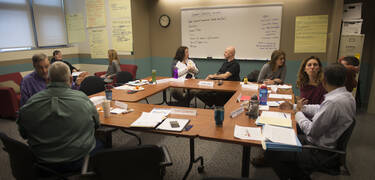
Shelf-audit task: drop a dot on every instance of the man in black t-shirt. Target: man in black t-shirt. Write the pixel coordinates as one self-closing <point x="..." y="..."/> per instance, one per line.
<point x="230" y="70"/>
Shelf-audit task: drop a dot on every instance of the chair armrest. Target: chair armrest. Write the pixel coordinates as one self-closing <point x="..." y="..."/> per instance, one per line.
<point x="322" y="149"/>
<point x="167" y="157"/>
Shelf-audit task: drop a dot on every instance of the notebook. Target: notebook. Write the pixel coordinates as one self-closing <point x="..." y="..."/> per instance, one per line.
<point x="169" y="122"/>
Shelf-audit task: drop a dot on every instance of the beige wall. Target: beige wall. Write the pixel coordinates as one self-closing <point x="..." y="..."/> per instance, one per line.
<point x="164" y="41"/>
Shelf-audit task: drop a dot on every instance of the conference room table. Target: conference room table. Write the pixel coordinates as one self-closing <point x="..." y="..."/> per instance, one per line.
<point x="203" y="123"/>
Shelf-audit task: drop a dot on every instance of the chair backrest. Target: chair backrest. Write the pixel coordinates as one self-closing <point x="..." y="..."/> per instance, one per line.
<point x="253" y="76"/>
<point x="345" y="137"/>
<point x="22" y="160"/>
<point x="91" y="85"/>
<point x="123" y="77"/>
<point x="132" y="68"/>
<point x="16" y="77"/>
<point x="140" y="162"/>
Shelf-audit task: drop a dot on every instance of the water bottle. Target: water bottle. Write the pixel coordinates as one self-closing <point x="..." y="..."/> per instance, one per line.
<point x="175" y="73"/>
<point x="153" y="75"/>
<point x="253" y="109"/>
<point x="263" y="95"/>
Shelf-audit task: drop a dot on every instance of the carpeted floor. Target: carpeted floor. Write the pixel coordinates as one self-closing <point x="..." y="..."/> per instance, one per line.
<point x="224" y="159"/>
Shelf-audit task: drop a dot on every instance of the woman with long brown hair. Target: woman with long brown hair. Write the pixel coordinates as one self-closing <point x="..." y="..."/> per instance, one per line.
<point x="113" y="66"/>
<point x="309" y="80"/>
<point x="274" y="72"/>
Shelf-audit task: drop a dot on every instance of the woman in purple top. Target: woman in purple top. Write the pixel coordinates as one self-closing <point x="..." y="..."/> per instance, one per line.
<point x="309" y="80"/>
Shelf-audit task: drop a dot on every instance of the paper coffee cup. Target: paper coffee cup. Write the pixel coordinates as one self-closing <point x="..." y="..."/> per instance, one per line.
<point x="106" y="108"/>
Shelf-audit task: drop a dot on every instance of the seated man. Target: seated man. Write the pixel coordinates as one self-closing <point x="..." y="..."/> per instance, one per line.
<point x="230" y="70"/>
<point x="37" y="80"/>
<point x="330" y="120"/>
<point x="59" y="123"/>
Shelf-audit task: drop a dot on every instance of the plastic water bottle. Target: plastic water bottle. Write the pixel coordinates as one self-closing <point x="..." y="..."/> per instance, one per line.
<point x="153" y="75"/>
<point x="263" y="95"/>
<point x="175" y="73"/>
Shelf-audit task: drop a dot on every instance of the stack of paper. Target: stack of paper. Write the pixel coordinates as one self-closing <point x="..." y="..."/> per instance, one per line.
<point x="137" y="83"/>
<point x="187" y="112"/>
<point x="281" y="96"/>
<point x="280" y="138"/>
<point x="248" y="133"/>
<point x="166" y="124"/>
<point x="149" y="120"/>
<point x="167" y="80"/>
<point x="275" y="118"/>
<point x="97" y="100"/>
<point x="132" y="88"/>
<point x="250" y="86"/>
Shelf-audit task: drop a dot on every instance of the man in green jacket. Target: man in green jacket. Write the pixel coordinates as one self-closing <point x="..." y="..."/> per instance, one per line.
<point x="59" y="123"/>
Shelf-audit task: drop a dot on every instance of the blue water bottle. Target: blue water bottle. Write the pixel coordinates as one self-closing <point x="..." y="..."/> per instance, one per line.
<point x="263" y="95"/>
<point x="175" y="73"/>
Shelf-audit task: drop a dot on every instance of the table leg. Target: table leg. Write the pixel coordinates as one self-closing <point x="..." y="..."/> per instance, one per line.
<point x="164" y="97"/>
<point x="245" y="161"/>
<point x="193" y="160"/>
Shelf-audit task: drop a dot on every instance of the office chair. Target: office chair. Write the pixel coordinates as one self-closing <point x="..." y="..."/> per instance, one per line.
<point x="92" y="85"/>
<point x="123" y="77"/>
<point x="24" y="164"/>
<point x="338" y="154"/>
<point x="140" y="162"/>
<point x="132" y="68"/>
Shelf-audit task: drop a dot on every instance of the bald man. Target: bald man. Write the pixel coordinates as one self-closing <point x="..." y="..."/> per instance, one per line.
<point x="230" y="70"/>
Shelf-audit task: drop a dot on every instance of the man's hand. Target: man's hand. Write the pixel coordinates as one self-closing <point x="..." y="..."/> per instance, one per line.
<point x="81" y="77"/>
<point x="301" y="103"/>
<point x="286" y="105"/>
<point x="277" y="81"/>
<point x="211" y="76"/>
<point x="268" y="82"/>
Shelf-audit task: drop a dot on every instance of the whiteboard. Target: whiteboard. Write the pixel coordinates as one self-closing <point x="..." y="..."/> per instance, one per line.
<point x="254" y="30"/>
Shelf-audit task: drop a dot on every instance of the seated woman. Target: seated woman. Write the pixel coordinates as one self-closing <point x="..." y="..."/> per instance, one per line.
<point x="113" y="66"/>
<point x="309" y="80"/>
<point x="186" y="69"/>
<point x="57" y="56"/>
<point x="351" y="64"/>
<point x="274" y="72"/>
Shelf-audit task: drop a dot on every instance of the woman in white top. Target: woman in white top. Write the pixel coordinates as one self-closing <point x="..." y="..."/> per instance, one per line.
<point x="186" y="69"/>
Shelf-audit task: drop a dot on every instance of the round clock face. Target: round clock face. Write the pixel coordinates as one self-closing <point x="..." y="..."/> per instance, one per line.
<point x="164" y="21"/>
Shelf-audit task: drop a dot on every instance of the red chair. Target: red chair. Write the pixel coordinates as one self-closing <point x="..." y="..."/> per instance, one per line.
<point x="132" y="68"/>
<point x="10" y="100"/>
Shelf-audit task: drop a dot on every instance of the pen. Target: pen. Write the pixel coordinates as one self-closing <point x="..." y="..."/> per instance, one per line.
<point x="248" y="133"/>
<point x="285" y="116"/>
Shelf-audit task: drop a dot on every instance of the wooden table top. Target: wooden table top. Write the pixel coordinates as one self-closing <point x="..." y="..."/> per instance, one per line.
<point x="125" y="120"/>
<point x="203" y="123"/>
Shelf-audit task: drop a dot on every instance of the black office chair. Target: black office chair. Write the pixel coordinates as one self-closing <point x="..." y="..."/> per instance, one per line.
<point x="339" y="154"/>
<point x="24" y="164"/>
<point x="92" y="85"/>
<point x="140" y="162"/>
<point x="123" y="77"/>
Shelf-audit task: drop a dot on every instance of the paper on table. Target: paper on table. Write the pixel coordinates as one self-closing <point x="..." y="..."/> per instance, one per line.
<point x="250" y="86"/>
<point x="274" y="103"/>
<point x="127" y="87"/>
<point x="76" y="73"/>
<point x="148" y="120"/>
<point x="118" y="111"/>
<point x="166" y="125"/>
<point x="188" y="112"/>
<point x="137" y="83"/>
<point x="164" y="111"/>
<point x="249" y="133"/>
<point x="206" y="83"/>
<point x="160" y="81"/>
<point x="276" y="118"/>
<point x="281" y="96"/>
<point x="264" y="107"/>
<point x="279" y="134"/>
<point x="97" y="100"/>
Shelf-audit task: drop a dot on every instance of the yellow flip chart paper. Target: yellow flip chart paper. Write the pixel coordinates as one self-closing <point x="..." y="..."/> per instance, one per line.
<point x="311" y="34"/>
<point x="122" y="36"/>
<point x="120" y="8"/>
<point x="95" y="12"/>
<point x="98" y="41"/>
<point x="75" y="27"/>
